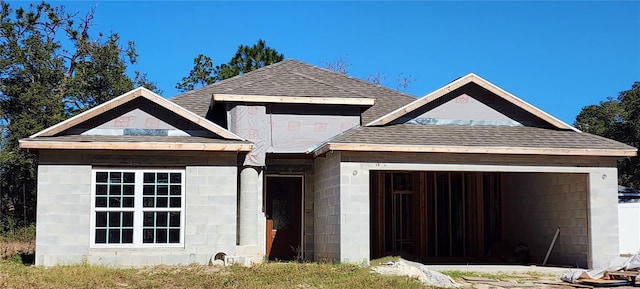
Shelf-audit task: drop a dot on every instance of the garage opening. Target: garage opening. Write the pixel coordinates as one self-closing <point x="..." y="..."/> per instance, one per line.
<point x="435" y="216"/>
<point x="478" y="217"/>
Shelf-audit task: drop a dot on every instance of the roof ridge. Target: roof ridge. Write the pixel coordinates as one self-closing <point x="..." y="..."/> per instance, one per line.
<point x="293" y="60"/>
<point x="356" y="79"/>
<point x="235" y="78"/>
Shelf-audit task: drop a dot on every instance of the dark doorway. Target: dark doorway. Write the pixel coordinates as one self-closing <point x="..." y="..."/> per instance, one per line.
<point x="284" y="217"/>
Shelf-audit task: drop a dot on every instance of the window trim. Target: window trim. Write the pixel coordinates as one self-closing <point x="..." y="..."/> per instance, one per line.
<point x="138" y="209"/>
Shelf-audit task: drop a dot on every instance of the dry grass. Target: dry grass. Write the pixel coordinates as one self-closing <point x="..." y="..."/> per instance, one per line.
<point x="268" y="275"/>
<point x="522" y="277"/>
<point x="18" y="241"/>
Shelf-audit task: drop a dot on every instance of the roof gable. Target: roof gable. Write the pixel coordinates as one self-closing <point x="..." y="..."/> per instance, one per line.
<point x="489" y="105"/>
<point x="139" y="117"/>
<point x="115" y="119"/>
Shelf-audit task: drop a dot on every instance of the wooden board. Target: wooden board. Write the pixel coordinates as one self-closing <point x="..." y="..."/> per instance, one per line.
<point x="563" y="284"/>
<point x="478" y="279"/>
<point x="604" y="283"/>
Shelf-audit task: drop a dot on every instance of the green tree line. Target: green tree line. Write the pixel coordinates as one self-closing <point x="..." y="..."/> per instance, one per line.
<point x="43" y="82"/>
<point x="619" y="119"/>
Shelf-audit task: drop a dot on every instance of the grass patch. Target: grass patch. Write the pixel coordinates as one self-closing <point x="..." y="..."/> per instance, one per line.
<point x="24" y="234"/>
<point x="268" y="275"/>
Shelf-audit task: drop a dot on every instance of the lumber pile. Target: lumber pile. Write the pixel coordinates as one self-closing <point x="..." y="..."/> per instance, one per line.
<point x="620" y="272"/>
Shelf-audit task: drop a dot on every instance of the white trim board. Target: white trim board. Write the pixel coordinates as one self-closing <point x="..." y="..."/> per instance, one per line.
<point x="294" y="99"/>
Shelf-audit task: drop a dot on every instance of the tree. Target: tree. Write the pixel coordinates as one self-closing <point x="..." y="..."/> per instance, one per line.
<point x="338" y="65"/>
<point x="246" y="59"/>
<point x="200" y="75"/>
<point x="618" y="119"/>
<point x="50" y="69"/>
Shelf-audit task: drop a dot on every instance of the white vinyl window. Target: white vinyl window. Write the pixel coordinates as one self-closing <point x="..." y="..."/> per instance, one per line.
<point x="137" y="208"/>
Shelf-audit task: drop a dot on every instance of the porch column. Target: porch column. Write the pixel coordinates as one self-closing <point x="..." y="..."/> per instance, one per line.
<point x="249" y="206"/>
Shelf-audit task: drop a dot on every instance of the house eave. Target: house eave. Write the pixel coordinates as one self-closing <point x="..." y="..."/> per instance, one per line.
<point x="39" y="145"/>
<point x="473" y="150"/>
<point x="293" y="99"/>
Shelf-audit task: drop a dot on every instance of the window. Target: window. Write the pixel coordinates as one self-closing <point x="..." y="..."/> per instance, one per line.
<point x="137" y="208"/>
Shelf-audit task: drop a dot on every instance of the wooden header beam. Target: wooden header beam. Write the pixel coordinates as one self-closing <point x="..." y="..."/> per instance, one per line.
<point x="29" y="144"/>
<point x="472" y="150"/>
<point x="294" y="99"/>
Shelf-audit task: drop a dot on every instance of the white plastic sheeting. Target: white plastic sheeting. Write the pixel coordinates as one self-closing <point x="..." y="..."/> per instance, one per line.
<point x="251" y="123"/>
<point x="619" y="263"/>
<point x="285" y="131"/>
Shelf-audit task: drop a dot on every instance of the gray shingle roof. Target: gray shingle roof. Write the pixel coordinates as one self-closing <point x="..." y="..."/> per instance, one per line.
<point x="128" y="138"/>
<point x="294" y="78"/>
<point x="481" y="136"/>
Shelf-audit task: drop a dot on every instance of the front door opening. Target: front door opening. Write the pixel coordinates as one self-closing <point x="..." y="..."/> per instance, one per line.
<point x="435" y="216"/>
<point x="284" y="217"/>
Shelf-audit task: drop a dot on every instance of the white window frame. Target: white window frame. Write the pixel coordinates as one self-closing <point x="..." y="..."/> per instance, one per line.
<point x="138" y="210"/>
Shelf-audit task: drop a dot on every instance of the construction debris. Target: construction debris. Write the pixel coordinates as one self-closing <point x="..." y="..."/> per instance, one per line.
<point x="496" y="283"/>
<point x="416" y="270"/>
<point x="620" y="272"/>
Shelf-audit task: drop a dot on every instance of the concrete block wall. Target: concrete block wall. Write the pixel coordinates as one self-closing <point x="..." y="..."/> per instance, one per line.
<point x="62" y="219"/>
<point x="327" y="208"/>
<point x="354" y="214"/>
<point x="603" y="216"/>
<point x="536" y="204"/>
<point x="64" y="210"/>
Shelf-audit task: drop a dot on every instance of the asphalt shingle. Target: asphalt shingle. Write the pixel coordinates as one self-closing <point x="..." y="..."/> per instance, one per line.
<point x="297" y="79"/>
<point x="481" y="136"/>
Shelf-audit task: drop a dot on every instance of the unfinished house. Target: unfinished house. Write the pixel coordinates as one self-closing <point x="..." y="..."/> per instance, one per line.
<point x="294" y="162"/>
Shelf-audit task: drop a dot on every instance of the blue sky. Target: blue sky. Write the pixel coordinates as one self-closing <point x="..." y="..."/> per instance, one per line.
<point x="558" y="56"/>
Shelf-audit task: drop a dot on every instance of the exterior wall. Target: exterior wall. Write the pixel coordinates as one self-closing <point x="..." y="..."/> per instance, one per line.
<point x="354" y="214"/>
<point x="629" y="216"/>
<point x="536" y="204"/>
<point x="601" y="196"/>
<point x="62" y="218"/>
<point x="603" y="216"/>
<point x="282" y="128"/>
<point x="327" y="208"/>
<point x="64" y="208"/>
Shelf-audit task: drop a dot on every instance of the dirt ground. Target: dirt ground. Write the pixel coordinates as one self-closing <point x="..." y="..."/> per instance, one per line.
<point x="508" y="276"/>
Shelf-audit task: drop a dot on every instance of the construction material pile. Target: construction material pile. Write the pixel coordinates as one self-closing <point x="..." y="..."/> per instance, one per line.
<point x="622" y="271"/>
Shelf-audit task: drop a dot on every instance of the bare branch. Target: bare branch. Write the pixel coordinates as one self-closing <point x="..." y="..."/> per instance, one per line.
<point x="376" y="78"/>
<point x="338" y="65"/>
